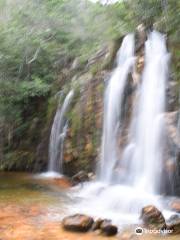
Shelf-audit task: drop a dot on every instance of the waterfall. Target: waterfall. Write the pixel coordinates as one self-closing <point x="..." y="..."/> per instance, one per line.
<point x="144" y="154"/>
<point x="113" y="107"/>
<point x="141" y="162"/>
<point x="58" y="134"/>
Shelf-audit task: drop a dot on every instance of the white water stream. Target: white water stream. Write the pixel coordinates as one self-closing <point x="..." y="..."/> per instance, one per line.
<point x="142" y="160"/>
<point x="113" y="107"/>
<point x="143" y="155"/>
<point x="58" y="134"/>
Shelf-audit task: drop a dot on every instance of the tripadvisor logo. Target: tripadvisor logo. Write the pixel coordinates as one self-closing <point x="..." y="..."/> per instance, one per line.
<point x="139" y="231"/>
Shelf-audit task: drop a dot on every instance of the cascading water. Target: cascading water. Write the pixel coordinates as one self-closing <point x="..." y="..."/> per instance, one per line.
<point x="142" y="159"/>
<point x="144" y="154"/>
<point x="58" y="134"/>
<point x="113" y="107"/>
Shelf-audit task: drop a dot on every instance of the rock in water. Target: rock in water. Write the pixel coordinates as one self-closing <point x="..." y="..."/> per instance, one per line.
<point x="175" y="206"/>
<point x="80" y="177"/>
<point x="77" y="223"/>
<point x="174" y="224"/>
<point x="108" y="229"/>
<point x="153" y="218"/>
<point x="97" y="224"/>
<point x="173" y="218"/>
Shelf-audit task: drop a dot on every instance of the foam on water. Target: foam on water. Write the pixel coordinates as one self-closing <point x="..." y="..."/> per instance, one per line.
<point x="49" y="174"/>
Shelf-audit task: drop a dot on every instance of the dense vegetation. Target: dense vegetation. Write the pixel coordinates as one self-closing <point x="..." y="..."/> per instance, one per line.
<point x="38" y="38"/>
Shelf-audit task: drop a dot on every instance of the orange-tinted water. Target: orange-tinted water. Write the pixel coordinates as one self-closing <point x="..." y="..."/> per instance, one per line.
<point x="31" y="209"/>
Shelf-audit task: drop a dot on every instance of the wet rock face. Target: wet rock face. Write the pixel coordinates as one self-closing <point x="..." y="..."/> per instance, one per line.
<point x="141" y="37"/>
<point x="171" y="121"/>
<point x="77" y="223"/>
<point x="172" y="98"/>
<point x="171" y="174"/>
<point x="85" y="122"/>
<point x="153" y="218"/>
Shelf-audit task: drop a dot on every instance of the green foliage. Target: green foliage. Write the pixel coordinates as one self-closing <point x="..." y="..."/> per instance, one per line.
<point x="145" y="11"/>
<point x="15" y="97"/>
<point x="33" y="88"/>
<point x="165" y="13"/>
<point x="35" y="37"/>
<point x="17" y="160"/>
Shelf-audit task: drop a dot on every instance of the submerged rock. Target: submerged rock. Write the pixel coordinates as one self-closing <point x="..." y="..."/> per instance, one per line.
<point x="77" y="223"/>
<point x="153" y="218"/>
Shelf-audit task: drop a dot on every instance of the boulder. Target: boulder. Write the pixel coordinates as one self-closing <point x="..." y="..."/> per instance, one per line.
<point x="80" y="177"/>
<point x="77" y="223"/>
<point x="153" y="218"/>
<point x="97" y="224"/>
<point x="175" y="206"/>
<point x="105" y="227"/>
<point x="91" y="176"/>
<point x="174" y="224"/>
<point x="108" y="229"/>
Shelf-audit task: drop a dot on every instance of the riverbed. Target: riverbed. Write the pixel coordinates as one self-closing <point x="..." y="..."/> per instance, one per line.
<point x="31" y="208"/>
